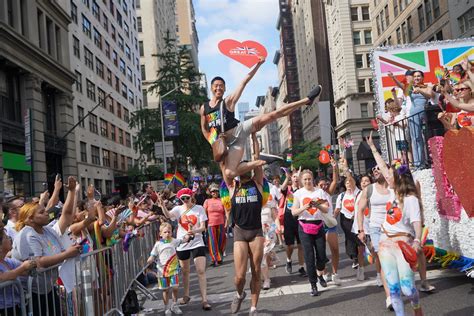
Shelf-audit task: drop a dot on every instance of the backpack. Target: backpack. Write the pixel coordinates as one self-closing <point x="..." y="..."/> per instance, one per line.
<point x="130" y="304"/>
<point x="370" y="190"/>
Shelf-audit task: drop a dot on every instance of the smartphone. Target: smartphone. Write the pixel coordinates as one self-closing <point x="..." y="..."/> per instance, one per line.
<point x="97" y="195"/>
<point x="58" y="176"/>
<point x="45" y="186"/>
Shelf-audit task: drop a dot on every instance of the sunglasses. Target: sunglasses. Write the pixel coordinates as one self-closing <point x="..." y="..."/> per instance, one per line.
<point x="461" y="89"/>
<point x="185" y="198"/>
<point x="375" y="169"/>
<point x="215" y="191"/>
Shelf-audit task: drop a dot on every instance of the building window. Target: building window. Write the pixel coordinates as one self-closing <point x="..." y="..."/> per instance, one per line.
<point x="119" y="110"/>
<point x="128" y="140"/>
<point x="90" y="90"/>
<point x="105" y="22"/>
<point x="131" y="97"/>
<point x="139" y="24"/>
<point x="103" y="128"/>
<point x="429" y="17"/>
<point x="86" y="26"/>
<point x="99" y="68"/>
<point x="124" y="90"/>
<point x="126" y="115"/>
<point x="111" y="7"/>
<point x="95" y="154"/>
<point x="466" y="21"/>
<point x="399" y="36"/>
<point x="368" y="60"/>
<point x="121" y="43"/>
<point x="129" y="74"/>
<point x="120" y="132"/>
<point x="137" y="4"/>
<point x="122" y="66"/>
<point x="97" y="38"/>
<point x="361" y="85"/>
<point x="436" y="9"/>
<point x="96" y="10"/>
<point x="123" y="162"/>
<point x="409" y="29"/>
<point x="377" y="23"/>
<point x="126" y="30"/>
<point x="88" y="58"/>
<point x="358" y="61"/>
<point x="115" y="58"/>
<point x="365" y="14"/>
<point x="119" y="18"/>
<point x="421" y="18"/>
<point x="354" y="14"/>
<point x="368" y="37"/>
<point x="127" y="52"/>
<point x="112" y="132"/>
<point x="395" y="8"/>
<point x="115" y="160"/>
<point x="109" y="77"/>
<point x="80" y="116"/>
<point x="364" y="111"/>
<point x="404" y="33"/>
<point x="117" y="84"/>
<point x="108" y="186"/>
<point x="73" y="12"/>
<point x="76" y="47"/>
<point x="111" y="107"/>
<point x="129" y="162"/>
<point x="371" y="85"/>
<point x="439" y="35"/>
<point x="83" y="152"/>
<point x="93" y="124"/>
<point x="112" y="32"/>
<point x="140" y="45"/>
<point x="78" y="81"/>
<point x="143" y="70"/>
<point x="107" y="49"/>
<point x="387" y="17"/>
<point x="101" y="95"/>
<point x="356" y="37"/>
<point x="87" y="3"/>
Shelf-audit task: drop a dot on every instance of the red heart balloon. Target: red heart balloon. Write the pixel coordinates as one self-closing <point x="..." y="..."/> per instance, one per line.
<point x="247" y="52"/>
<point x="324" y="157"/>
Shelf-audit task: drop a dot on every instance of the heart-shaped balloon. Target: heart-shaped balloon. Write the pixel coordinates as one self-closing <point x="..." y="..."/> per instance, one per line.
<point x="246" y="53"/>
<point x="394" y="214"/>
<point x="349" y="205"/>
<point x="458" y="162"/>
<point x="324" y="157"/>
<point x="187" y="220"/>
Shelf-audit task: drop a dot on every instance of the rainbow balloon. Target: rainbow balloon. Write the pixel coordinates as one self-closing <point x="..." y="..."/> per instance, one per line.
<point x="454" y="77"/>
<point x="439" y="73"/>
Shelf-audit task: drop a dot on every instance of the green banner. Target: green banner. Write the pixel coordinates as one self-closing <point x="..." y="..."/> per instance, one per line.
<point x="13" y="161"/>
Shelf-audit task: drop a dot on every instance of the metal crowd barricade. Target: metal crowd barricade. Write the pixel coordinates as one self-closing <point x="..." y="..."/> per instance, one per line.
<point x="12" y="299"/>
<point x="105" y="276"/>
<point x="46" y="295"/>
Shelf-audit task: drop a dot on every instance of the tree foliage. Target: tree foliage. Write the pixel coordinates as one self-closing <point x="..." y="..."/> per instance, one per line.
<point x="176" y="73"/>
<point x="306" y="155"/>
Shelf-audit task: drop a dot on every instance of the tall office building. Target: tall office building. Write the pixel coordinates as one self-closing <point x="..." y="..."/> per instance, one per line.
<point x="186" y="29"/>
<point x="284" y="126"/>
<point x="269" y="133"/>
<point x="350" y="40"/>
<point x="461" y="17"/>
<point x="35" y="96"/>
<point x="155" y="19"/>
<point x="106" y="62"/>
<point x="312" y="59"/>
<point x="242" y="108"/>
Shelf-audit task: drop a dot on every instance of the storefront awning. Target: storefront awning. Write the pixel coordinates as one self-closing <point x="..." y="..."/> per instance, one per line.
<point x="12" y="161"/>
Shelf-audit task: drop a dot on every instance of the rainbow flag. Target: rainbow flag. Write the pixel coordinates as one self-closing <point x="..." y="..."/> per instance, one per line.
<point x="179" y="179"/>
<point x="265" y="191"/>
<point x="408" y="88"/>
<point x="225" y="197"/>
<point x="212" y="136"/>
<point x="289" y="158"/>
<point x="454" y="77"/>
<point x="439" y="73"/>
<point x="168" y="178"/>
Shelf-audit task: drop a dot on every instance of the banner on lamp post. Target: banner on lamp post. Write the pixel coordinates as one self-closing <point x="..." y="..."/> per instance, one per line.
<point x="27" y="122"/>
<point x="170" y="119"/>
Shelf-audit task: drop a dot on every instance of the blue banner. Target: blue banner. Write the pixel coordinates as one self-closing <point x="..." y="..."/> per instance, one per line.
<point x="170" y="118"/>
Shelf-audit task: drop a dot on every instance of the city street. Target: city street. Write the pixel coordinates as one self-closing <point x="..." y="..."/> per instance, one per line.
<point x="289" y="294"/>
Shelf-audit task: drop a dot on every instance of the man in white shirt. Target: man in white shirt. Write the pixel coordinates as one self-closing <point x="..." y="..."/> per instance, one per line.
<point x="13" y="208"/>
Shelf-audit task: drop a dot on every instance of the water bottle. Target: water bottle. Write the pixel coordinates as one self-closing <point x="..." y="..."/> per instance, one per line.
<point x="33" y="272"/>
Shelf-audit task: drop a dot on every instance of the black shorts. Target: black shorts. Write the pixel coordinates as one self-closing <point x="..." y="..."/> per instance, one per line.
<point x="247" y="235"/>
<point x="290" y="233"/>
<point x="196" y="252"/>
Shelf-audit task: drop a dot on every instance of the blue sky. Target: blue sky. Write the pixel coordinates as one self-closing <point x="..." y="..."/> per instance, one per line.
<point x="240" y="20"/>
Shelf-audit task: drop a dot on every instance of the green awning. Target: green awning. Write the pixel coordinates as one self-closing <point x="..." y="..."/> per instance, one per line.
<point x="13" y="161"/>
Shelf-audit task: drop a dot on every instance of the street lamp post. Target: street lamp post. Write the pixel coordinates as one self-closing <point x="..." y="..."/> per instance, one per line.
<point x="165" y="167"/>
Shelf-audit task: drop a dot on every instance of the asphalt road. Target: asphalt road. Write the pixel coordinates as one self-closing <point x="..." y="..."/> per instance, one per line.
<point x="289" y="294"/>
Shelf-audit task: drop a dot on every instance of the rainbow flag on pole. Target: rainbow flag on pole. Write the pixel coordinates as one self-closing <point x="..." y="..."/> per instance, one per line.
<point x="176" y="178"/>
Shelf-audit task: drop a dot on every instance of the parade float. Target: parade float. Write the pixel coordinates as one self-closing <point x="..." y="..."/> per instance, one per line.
<point x="446" y="189"/>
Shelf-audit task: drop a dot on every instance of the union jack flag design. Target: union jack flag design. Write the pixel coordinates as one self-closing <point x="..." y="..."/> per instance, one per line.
<point x="244" y="50"/>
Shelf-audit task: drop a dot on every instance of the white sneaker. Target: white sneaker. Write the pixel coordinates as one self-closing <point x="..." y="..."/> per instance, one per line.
<point x="360" y="274"/>
<point x="327" y="277"/>
<point x="388" y="303"/>
<point x="378" y="280"/>
<point x="168" y="312"/>
<point x="231" y="235"/>
<point x="336" y="279"/>
<point x="224" y="254"/>
<point x="175" y="309"/>
<point x="266" y="284"/>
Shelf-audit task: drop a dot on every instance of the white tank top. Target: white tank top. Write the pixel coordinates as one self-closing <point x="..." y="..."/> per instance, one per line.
<point x="378" y="202"/>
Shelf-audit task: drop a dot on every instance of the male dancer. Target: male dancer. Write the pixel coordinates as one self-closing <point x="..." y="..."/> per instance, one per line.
<point x="237" y="132"/>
